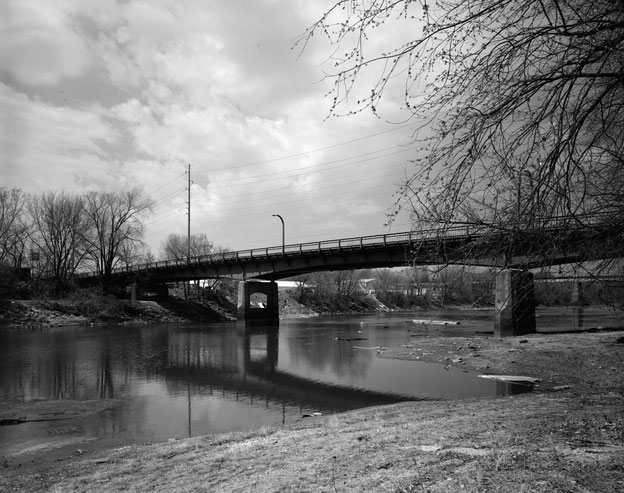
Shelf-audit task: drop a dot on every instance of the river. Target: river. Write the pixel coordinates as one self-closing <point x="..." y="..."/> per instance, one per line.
<point x="176" y="381"/>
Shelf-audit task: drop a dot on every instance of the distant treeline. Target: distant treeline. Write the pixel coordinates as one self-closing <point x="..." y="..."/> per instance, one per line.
<point x="57" y="234"/>
<point x="45" y="239"/>
<point x="424" y="287"/>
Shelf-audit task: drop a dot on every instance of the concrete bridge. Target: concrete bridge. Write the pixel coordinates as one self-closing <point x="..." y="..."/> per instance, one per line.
<point x="513" y="252"/>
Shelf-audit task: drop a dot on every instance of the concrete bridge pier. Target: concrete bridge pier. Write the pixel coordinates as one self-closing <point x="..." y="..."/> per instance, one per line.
<point x="577" y="300"/>
<point x="134" y="293"/>
<point x="269" y="312"/>
<point x="515" y="304"/>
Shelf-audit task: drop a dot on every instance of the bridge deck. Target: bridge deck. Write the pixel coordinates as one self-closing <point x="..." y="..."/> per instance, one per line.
<point x="447" y="245"/>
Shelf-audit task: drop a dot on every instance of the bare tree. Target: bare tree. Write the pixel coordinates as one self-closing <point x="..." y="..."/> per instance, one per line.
<point x="335" y="283"/>
<point x="176" y="246"/>
<point x="518" y="105"/>
<point x="386" y="281"/>
<point x="346" y="282"/>
<point x="115" y="220"/>
<point x="135" y="252"/>
<point x="59" y="228"/>
<point x="13" y="226"/>
<point x="415" y="280"/>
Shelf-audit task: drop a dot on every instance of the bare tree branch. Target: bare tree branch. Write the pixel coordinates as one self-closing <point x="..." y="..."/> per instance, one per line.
<point x="522" y="105"/>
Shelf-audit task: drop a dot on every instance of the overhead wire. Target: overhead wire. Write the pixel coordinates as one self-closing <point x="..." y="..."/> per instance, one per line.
<point x="282" y="174"/>
<point x="163" y="220"/>
<point x="304" y="153"/>
<point x="295" y="204"/>
<point x="291" y="190"/>
<point x="314" y="168"/>
<point x="243" y="212"/>
<point x="292" y="207"/>
<point x="169" y="195"/>
<point x="386" y="171"/>
<point x="166" y="184"/>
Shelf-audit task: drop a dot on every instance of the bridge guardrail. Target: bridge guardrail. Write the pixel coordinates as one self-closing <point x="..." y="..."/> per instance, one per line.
<point x="359" y="242"/>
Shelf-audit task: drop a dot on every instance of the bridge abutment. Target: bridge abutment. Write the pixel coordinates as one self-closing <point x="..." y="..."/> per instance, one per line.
<point x="515" y="304"/>
<point x="246" y="310"/>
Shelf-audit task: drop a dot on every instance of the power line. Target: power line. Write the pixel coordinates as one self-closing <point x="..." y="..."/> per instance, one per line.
<point x="169" y="196"/>
<point x="321" y="183"/>
<point x="290" y="190"/>
<point x="281" y="175"/>
<point x="162" y="218"/>
<point x="313" y="169"/>
<point x="228" y="183"/>
<point x="289" y="187"/>
<point x="307" y="152"/>
<point x="289" y="205"/>
<point x="166" y="184"/>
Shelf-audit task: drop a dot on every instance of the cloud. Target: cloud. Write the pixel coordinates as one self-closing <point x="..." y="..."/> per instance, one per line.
<point x="39" y="43"/>
<point x="131" y="92"/>
<point x="38" y="140"/>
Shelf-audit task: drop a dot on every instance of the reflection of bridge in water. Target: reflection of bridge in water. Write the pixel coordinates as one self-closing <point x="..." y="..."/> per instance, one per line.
<point x="246" y="368"/>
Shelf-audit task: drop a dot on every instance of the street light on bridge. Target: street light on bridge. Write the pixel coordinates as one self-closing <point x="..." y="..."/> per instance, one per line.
<point x="283" y="232"/>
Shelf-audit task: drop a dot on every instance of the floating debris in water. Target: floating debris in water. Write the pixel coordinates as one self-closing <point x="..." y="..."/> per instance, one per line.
<point x="312" y="415"/>
<point x="423" y="321"/>
<point x="512" y="378"/>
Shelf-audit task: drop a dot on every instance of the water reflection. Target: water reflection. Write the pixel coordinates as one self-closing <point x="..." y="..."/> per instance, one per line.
<point x="578" y="317"/>
<point x="192" y="380"/>
<point x="248" y="364"/>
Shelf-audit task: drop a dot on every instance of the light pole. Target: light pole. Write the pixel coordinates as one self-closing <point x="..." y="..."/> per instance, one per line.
<point x="283" y="232"/>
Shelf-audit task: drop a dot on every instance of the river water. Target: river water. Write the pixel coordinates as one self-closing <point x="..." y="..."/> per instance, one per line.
<point x="176" y="381"/>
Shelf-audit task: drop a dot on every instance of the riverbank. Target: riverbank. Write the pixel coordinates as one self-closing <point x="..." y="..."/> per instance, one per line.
<point x="567" y="435"/>
<point x="89" y="309"/>
<point x="92" y="309"/>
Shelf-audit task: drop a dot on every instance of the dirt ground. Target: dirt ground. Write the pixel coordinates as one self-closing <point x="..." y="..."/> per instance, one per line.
<point x="567" y="435"/>
<point x="36" y="314"/>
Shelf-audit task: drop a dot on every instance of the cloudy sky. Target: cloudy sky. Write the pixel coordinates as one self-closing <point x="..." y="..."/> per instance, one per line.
<point x="109" y="95"/>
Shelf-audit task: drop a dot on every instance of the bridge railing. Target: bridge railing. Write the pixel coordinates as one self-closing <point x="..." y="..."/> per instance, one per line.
<point x="359" y="242"/>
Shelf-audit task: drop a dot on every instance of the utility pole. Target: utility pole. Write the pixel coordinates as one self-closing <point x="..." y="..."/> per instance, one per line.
<point x="187" y="287"/>
<point x="188" y="236"/>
